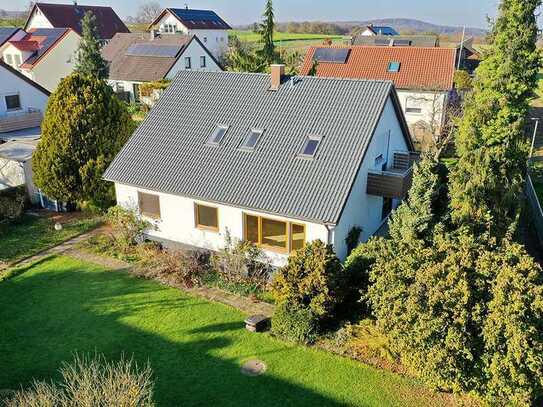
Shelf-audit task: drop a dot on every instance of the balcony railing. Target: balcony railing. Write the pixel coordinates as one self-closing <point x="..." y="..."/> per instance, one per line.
<point x="393" y="182"/>
<point x="24" y="119"/>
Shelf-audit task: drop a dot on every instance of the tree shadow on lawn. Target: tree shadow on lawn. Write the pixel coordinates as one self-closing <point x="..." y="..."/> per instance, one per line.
<point x="47" y="316"/>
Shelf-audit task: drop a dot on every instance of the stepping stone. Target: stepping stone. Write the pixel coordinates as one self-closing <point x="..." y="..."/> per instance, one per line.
<point x="253" y="367"/>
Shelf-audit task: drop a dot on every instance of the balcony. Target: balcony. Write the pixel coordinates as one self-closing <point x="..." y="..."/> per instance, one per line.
<point x="24" y="119"/>
<point x="393" y="182"/>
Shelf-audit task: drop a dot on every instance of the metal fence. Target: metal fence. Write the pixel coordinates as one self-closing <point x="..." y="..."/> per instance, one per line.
<point x="535" y="206"/>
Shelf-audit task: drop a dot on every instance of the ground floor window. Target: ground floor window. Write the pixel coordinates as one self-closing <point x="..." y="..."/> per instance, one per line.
<point x="274" y="234"/>
<point x="149" y="205"/>
<point x="207" y="217"/>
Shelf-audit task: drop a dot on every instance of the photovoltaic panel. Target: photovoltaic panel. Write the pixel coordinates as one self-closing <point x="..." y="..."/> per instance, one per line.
<point x="382" y="41"/>
<point x="333" y="55"/>
<point x="153" y="50"/>
<point x="402" y="43"/>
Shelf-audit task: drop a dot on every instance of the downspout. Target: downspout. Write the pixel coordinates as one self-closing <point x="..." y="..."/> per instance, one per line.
<point x="331" y="228"/>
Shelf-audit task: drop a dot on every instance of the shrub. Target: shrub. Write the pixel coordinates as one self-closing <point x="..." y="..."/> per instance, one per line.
<point x="12" y="203"/>
<point x="129" y="227"/>
<point x="175" y="268"/>
<point x="313" y="279"/>
<point x="92" y="382"/>
<point x="241" y="262"/>
<point x="295" y="323"/>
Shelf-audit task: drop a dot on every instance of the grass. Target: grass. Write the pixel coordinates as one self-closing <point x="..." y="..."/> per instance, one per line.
<point x="32" y="234"/>
<point x="195" y="348"/>
<point x="251" y="36"/>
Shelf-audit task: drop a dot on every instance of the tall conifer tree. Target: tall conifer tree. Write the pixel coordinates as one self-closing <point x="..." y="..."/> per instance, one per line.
<point x="486" y="185"/>
<point x="89" y="57"/>
<point x="267" y="29"/>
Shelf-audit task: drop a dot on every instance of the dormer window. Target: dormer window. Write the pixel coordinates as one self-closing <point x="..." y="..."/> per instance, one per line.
<point x="218" y="135"/>
<point x="394" y="66"/>
<point x="311" y="146"/>
<point x="252" y="139"/>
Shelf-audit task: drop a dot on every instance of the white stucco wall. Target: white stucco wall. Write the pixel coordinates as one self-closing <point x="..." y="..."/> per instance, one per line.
<point x="361" y="209"/>
<point x="58" y="63"/>
<point x="38" y="20"/>
<point x="432" y="105"/>
<point x="178" y="224"/>
<point x="215" y="40"/>
<point x="194" y="51"/>
<point x="29" y="96"/>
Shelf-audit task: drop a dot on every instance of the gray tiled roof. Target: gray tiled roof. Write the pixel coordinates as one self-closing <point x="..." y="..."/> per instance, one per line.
<point x="168" y="152"/>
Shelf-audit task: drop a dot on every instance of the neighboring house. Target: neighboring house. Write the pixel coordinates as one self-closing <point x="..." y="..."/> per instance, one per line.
<point x="469" y="57"/>
<point x="45" y="55"/>
<point x="6" y="33"/>
<point x="397" y="40"/>
<point x="279" y="161"/>
<point x="136" y="58"/>
<point x="373" y="30"/>
<point x="211" y="29"/>
<point x="45" y="15"/>
<point x="16" y="167"/>
<point x="22" y="103"/>
<point x="423" y="77"/>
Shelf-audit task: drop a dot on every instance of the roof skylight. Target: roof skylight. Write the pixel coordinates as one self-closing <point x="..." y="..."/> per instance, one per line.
<point x="218" y="135"/>
<point x="311" y="146"/>
<point x="252" y="139"/>
<point x="394" y="66"/>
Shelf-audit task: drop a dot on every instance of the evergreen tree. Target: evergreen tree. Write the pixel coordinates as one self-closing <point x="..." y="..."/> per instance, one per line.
<point x="486" y="185"/>
<point x="267" y="29"/>
<point x="89" y="57"/>
<point x="84" y="127"/>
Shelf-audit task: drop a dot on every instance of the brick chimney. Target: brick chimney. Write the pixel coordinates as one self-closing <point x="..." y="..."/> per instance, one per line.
<point x="277" y="73"/>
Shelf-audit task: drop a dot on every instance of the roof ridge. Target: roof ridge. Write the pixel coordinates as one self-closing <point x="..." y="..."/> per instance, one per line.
<point x="263" y="74"/>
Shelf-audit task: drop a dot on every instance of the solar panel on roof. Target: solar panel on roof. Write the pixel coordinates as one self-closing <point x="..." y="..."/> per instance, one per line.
<point x="152" y="50"/>
<point x="402" y="43"/>
<point x="382" y="41"/>
<point x="334" y="55"/>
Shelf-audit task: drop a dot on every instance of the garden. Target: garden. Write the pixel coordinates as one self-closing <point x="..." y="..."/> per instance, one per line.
<point x="195" y="348"/>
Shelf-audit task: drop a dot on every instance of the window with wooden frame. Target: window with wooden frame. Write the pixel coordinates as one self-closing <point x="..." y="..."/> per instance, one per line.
<point x="272" y="234"/>
<point x="207" y="217"/>
<point x="149" y="205"/>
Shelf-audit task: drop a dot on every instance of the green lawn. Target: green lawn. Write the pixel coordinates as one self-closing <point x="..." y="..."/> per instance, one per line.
<point x="195" y="348"/>
<point x="32" y="234"/>
<point x="251" y="36"/>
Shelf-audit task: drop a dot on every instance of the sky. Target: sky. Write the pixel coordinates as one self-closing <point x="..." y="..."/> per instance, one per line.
<point x="445" y="12"/>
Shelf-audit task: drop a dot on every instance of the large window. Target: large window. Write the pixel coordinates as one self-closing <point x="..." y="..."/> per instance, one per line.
<point x="207" y="217"/>
<point x="149" y="205"/>
<point x="274" y="234"/>
<point x="13" y="102"/>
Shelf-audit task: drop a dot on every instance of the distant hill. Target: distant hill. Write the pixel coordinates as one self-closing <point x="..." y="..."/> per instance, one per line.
<point x="404" y="25"/>
<point x="6" y="14"/>
<point x="416" y="26"/>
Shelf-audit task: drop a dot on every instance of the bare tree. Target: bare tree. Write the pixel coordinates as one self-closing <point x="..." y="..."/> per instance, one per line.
<point x="148" y="11"/>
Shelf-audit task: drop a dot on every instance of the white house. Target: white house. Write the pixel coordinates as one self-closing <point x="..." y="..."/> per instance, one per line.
<point x="423" y="77"/>
<point x="138" y="58"/>
<point x="47" y="15"/>
<point x="45" y="55"/>
<point x="22" y="104"/>
<point x="374" y="30"/>
<point x="22" y="101"/>
<point x="211" y="29"/>
<point x="267" y="159"/>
